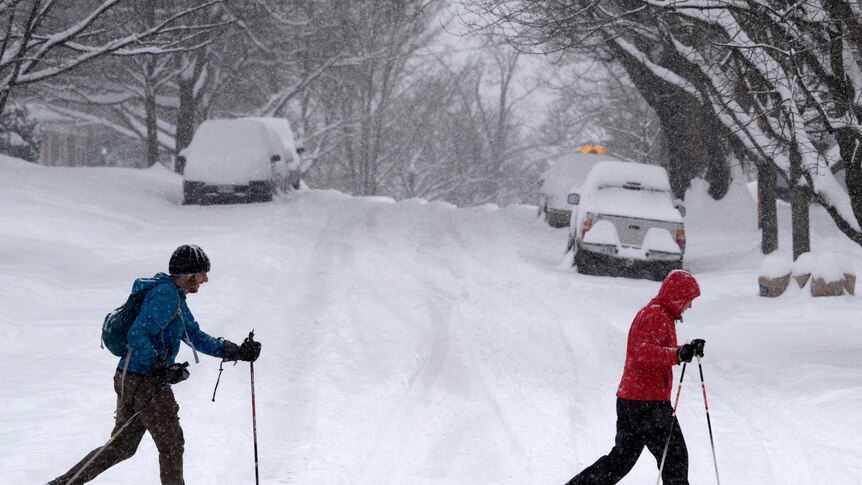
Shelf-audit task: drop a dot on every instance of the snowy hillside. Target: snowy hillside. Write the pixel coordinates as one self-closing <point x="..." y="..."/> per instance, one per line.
<point x="405" y="343"/>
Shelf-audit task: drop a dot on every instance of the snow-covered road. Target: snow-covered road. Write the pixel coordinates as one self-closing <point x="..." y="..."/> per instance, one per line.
<point x="404" y="343"/>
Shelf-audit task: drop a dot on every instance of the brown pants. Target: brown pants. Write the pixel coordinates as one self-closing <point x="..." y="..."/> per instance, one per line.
<point x="157" y="413"/>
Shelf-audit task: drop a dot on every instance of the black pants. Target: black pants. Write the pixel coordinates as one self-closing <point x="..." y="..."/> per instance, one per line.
<point x="639" y="424"/>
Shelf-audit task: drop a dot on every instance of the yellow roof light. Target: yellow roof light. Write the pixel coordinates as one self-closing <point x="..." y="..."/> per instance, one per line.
<point x="594" y="149"/>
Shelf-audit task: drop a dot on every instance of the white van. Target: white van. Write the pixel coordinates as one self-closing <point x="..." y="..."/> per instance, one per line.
<point x="235" y="161"/>
<point x="565" y="173"/>
<point x="288" y="173"/>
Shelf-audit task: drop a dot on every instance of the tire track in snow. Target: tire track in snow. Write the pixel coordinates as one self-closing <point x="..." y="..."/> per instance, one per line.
<point x="427" y="408"/>
<point x="498" y="393"/>
<point x="390" y="443"/>
<point x="332" y="251"/>
<point x="323" y="334"/>
<point x="734" y="429"/>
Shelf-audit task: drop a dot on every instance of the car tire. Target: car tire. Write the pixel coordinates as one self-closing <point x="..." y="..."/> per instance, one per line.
<point x="584" y="263"/>
<point x="655" y="274"/>
<point x="660" y="271"/>
<point x="192" y="193"/>
<point x="260" y="191"/>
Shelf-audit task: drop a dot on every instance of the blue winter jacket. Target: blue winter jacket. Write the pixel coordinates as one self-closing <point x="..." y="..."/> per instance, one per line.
<point x="156" y="333"/>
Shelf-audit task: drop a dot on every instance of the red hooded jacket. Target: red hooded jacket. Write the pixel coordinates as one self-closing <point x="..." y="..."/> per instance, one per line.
<point x="652" y="349"/>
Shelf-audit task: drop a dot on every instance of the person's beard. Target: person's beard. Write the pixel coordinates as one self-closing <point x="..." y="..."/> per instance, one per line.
<point x="193" y="284"/>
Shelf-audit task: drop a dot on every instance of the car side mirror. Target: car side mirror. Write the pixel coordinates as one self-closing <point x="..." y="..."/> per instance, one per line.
<point x="275" y="158"/>
<point x="574" y="199"/>
<point x="679" y="206"/>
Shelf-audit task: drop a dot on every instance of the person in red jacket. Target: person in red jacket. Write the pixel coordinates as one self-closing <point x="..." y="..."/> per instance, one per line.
<point x="644" y="413"/>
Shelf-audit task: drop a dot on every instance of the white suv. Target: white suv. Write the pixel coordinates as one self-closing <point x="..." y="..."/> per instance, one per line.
<point x="626" y="221"/>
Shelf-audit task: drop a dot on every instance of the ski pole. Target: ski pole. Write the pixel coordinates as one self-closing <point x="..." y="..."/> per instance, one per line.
<point x="672" y="424"/>
<point x="218" y="379"/>
<point x="708" y="422"/>
<point x="254" y="417"/>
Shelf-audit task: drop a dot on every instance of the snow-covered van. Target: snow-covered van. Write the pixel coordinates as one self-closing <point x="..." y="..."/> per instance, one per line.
<point x="565" y="173"/>
<point x="288" y="173"/>
<point x="626" y="221"/>
<point x="235" y="161"/>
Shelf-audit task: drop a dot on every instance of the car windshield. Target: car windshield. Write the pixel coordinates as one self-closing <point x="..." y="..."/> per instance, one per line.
<point x="632" y="185"/>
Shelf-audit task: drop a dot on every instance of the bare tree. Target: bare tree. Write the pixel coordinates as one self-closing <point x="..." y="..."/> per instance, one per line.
<point x="468" y="143"/>
<point x="254" y="59"/>
<point x="596" y="103"/>
<point x="358" y="96"/>
<point x="42" y="39"/>
<point x="592" y="29"/>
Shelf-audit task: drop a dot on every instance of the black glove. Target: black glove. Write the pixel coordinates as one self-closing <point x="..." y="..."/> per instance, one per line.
<point x="698" y="344"/>
<point x="170" y="374"/>
<point x="690" y="350"/>
<point x="249" y="351"/>
<point x="685" y="353"/>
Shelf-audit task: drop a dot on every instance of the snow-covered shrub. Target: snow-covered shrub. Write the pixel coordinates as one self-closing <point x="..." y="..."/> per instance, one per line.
<point x="19" y="136"/>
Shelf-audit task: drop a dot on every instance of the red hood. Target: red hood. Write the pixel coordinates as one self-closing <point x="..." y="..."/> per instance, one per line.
<point x="678" y="288"/>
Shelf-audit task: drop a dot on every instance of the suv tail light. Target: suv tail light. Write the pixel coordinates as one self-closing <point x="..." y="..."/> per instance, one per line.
<point x="680" y="239"/>
<point x="588" y="223"/>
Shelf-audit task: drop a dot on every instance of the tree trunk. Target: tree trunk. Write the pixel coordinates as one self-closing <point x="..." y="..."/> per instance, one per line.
<point x="850" y="146"/>
<point x="187" y="111"/>
<point x="186" y="114"/>
<point x="798" y="204"/>
<point x="152" y="128"/>
<point x="767" y="212"/>
<point x="151" y="121"/>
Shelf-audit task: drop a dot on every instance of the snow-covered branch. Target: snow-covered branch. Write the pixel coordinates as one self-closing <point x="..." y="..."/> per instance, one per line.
<point x="33" y="53"/>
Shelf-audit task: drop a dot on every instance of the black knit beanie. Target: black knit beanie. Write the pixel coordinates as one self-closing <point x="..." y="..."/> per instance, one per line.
<point x="189" y="259"/>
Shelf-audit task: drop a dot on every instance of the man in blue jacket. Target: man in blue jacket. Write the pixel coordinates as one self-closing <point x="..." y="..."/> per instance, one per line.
<point x="145" y="401"/>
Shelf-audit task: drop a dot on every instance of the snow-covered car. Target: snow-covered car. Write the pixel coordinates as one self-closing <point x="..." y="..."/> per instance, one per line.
<point x="235" y="161"/>
<point x="564" y="174"/>
<point x="626" y="221"/>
